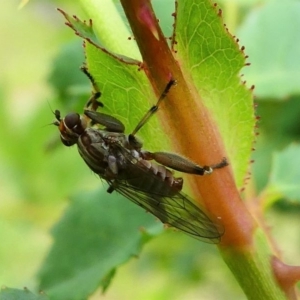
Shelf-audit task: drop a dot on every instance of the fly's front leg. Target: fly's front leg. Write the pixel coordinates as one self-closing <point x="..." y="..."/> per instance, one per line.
<point x="111" y="123"/>
<point x="182" y="164"/>
<point x="93" y="103"/>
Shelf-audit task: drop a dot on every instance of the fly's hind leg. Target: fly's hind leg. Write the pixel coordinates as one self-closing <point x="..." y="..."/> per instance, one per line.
<point x="182" y="164"/>
<point x="170" y="160"/>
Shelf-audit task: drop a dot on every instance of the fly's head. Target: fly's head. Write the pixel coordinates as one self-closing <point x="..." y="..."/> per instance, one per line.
<point x="70" y="127"/>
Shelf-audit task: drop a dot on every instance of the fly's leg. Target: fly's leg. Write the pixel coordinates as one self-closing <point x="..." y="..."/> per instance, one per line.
<point x="170" y="160"/>
<point x="134" y="142"/>
<point x="182" y="164"/>
<point x="154" y="108"/>
<point x="93" y="103"/>
<point x="111" y="124"/>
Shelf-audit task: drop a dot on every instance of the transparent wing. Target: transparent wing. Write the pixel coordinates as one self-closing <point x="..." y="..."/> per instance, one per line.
<point x="177" y="211"/>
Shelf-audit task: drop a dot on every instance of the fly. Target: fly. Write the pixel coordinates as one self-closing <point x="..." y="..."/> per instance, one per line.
<point x="141" y="176"/>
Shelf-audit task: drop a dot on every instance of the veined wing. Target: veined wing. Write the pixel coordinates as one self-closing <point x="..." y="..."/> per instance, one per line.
<point x="177" y="211"/>
<point x="139" y="184"/>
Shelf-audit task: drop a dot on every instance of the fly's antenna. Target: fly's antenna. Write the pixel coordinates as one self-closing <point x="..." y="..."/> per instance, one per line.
<point x="57" y="115"/>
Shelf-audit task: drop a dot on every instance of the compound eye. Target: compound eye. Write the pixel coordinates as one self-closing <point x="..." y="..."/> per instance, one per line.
<point x="72" y="120"/>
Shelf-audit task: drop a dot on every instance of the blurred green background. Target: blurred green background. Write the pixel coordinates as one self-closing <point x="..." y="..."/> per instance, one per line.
<point x="37" y="175"/>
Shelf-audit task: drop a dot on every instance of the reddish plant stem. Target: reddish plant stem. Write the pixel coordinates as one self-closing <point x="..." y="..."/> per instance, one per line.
<point x="287" y="276"/>
<point x="197" y="136"/>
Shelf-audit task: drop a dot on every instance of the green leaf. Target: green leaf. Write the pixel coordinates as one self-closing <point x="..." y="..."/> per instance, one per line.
<point x="207" y="55"/>
<point x="211" y="57"/>
<point x="126" y="94"/>
<point x="86" y="31"/>
<point x="65" y="77"/>
<point x="110" y="28"/>
<point x="98" y="232"/>
<point x="125" y="89"/>
<point x="279" y="127"/>
<point x="13" y="294"/>
<point x="285" y="176"/>
<point x="271" y="36"/>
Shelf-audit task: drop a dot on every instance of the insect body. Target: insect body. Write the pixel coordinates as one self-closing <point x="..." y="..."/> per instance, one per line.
<point x="141" y="176"/>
